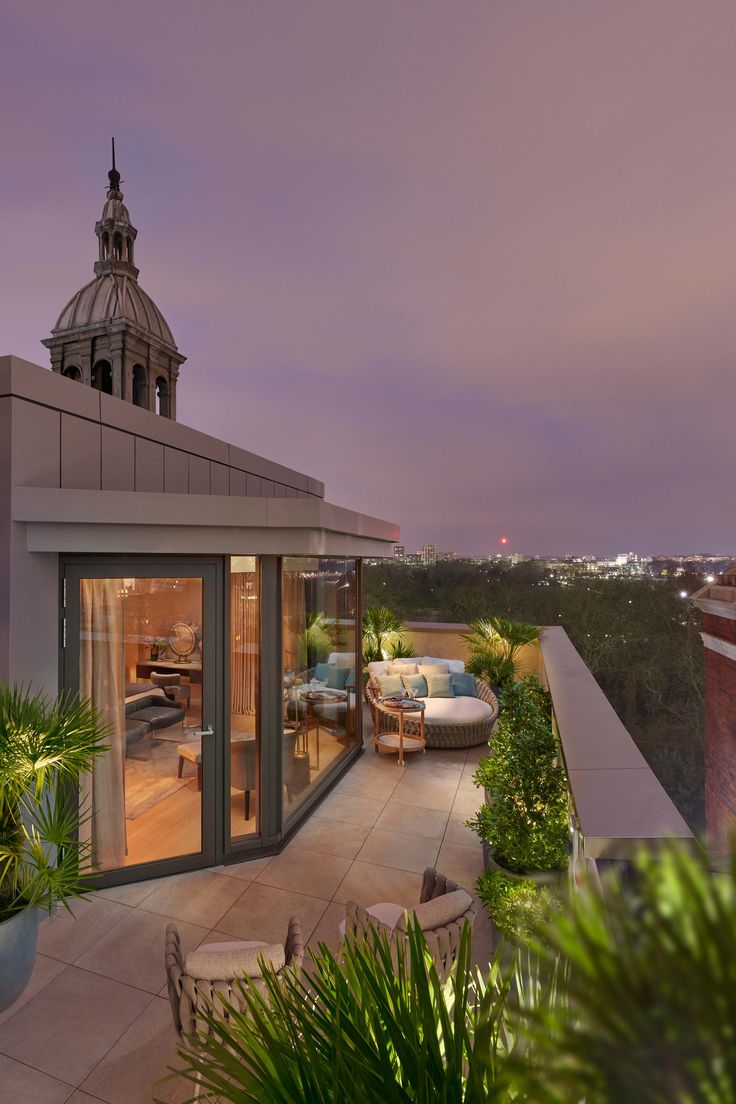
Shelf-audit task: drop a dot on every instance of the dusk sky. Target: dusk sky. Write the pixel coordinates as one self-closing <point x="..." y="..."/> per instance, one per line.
<point x="471" y="264"/>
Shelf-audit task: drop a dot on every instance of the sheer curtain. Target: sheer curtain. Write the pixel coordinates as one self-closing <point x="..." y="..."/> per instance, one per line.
<point x="102" y="680"/>
<point x="244" y="627"/>
<point x="294" y="615"/>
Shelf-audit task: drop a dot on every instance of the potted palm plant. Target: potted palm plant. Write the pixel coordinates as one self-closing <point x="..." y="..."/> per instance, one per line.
<point x="44" y="748"/>
<point x="382" y="630"/>
<point x="493" y="650"/>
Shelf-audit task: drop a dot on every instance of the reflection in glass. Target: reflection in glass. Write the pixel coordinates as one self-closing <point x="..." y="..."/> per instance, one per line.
<point x="320" y="667"/>
<point x="145" y="790"/>
<point x="244" y="681"/>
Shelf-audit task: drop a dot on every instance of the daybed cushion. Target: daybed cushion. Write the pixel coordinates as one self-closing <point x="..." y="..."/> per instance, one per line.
<point x="440" y="686"/>
<point x="204" y="965"/>
<point x="390" y="684"/>
<point x="415" y="682"/>
<point x="402" y="668"/>
<point x="455" y="666"/>
<point x="451" y="711"/>
<point x="464" y="686"/>
<point x="341" y="659"/>
<point x="438" y="668"/>
<point x="438" y="912"/>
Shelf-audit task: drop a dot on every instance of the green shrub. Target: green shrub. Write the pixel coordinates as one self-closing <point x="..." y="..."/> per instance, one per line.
<point x="649" y="972"/>
<point x="526" y="822"/>
<point x="516" y="907"/>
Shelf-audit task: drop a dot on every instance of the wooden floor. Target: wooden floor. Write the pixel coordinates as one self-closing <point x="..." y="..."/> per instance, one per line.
<point x="173" y="827"/>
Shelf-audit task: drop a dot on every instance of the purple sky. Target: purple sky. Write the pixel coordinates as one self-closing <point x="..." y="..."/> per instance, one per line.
<point x="472" y="264"/>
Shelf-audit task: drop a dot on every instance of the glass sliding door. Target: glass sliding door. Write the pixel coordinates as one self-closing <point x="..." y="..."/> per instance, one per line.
<point x="321" y="671"/>
<point x="243" y="761"/>
<point x="142" y="647"/>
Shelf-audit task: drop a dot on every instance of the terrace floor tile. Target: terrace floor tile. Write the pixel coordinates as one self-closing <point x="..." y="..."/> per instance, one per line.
<point x="263" y="912"/>
<point x="304" y="871"/>
<point x="19" y="1084"/>
<point x="67" y="935"/>
<point x="368" y="884"/>
<point x="414" y="820"/>
<point x="132" y="952"/>
<point x="71" y="1024"/>
<point x="200" y="897"/>
<point x="331" y="837"/>
<point x="132" y="1072"/>
<point x="400" y="850"/>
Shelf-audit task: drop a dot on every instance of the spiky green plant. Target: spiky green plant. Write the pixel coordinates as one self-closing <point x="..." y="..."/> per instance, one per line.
<point x="381" y="627"/>
<point x="44" y="748"/>
<point x="374" y="1026"/>
<point x="399" y="649"/>
<point x="650" y="968"/>
<point x="316" y="638"/>
<point x="494" y="646"/>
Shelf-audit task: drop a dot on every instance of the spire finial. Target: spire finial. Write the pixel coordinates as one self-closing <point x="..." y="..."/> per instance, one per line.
<point x="114" y="176"/>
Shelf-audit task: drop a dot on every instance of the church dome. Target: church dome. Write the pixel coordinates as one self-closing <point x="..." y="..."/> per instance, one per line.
<point x="111" y="296"/>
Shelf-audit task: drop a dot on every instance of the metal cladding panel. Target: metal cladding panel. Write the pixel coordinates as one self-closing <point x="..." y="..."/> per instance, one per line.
<point x="219" y="479"/>
<point x="176" y="471"/>
<point x="35" y="443"/>
<point x="199" y="475"/>
<point x="81" y="453"/>
<point x="149" y="465"/>
<point x="118" y="460"/>
<point x="238" y="483"/>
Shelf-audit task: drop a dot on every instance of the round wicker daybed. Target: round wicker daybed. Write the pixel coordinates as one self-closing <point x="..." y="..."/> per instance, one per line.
<point x="448" y="722"/>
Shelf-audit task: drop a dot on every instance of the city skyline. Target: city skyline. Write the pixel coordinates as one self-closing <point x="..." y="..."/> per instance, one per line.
<point x="488" y="262"/>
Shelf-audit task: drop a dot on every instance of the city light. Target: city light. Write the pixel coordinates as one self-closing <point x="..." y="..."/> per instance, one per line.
<point x="683" y="594"/>
<point x="504" y="540"/>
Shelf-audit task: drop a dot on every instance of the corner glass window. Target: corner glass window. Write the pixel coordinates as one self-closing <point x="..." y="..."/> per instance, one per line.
<point x="321" y="671"/>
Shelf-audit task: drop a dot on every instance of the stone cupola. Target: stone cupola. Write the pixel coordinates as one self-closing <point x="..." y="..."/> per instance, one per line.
<point x="111" y="335"/>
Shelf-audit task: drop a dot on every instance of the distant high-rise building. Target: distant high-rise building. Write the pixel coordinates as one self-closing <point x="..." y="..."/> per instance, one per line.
<point x="399" y="553"/>
<point x="429" y="554"/>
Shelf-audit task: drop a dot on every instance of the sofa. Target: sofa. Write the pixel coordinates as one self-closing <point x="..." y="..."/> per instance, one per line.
<point x="148" y="710"/>
<point x="458" y="721"/>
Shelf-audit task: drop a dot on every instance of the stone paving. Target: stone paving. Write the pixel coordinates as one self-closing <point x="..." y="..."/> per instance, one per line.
<point x="95" y="1024"/>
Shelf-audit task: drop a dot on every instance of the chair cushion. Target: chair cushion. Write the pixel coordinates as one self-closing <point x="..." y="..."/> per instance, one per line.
<point x="341" y="659"/>
<point x="335" y="677"/>
<point x="158" y="678"/>
<point x="438" y="912"/>
<point x="456" y="711"/>
<point x="440" y="686"/>
<point x="191" y="751"/>
<point x="241" y="961"/>
<point x="464" y="686"/>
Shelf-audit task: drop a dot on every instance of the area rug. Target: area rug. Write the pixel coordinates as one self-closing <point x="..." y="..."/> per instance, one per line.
<point x="150" y="781"/>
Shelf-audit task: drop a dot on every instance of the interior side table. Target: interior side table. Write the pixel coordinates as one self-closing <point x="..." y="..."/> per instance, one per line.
<point x="401" y="741"/>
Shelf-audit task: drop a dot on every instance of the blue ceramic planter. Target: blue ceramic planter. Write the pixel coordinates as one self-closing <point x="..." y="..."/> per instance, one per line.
<point x="18" y="939"/>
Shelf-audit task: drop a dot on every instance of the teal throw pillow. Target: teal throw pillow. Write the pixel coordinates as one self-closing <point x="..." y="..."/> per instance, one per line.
<point x="464" y="686"/>
<point x="390" y="684"/>
<point x="439" y="686"/>
<point x="415" y="682"/>
<point x="350" y="680"/>
<point x="335" y="677"/>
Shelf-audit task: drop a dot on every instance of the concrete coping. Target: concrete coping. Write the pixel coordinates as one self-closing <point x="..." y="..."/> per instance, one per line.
<point x="619" y="801"/>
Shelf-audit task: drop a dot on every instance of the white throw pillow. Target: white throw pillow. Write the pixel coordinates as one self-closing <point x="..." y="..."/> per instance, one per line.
<point x="438" y="912"/>
<point x="402" y="667"/>
<point x="205" y="965"/>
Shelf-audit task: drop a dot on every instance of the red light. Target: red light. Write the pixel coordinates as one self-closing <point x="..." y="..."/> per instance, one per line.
<point x="504" y="540"/>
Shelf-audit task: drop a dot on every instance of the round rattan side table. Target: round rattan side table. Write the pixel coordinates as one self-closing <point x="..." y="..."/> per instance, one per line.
<point x="400" y="741"/>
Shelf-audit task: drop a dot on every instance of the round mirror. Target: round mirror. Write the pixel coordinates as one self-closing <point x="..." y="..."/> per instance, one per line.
<point x="182" y="639"/>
